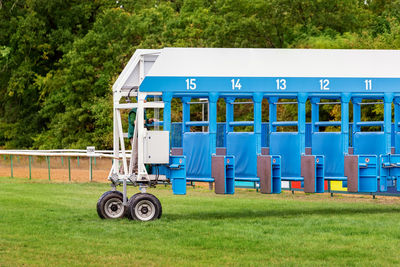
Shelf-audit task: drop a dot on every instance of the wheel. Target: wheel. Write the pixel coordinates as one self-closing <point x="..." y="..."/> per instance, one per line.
<point x="110" y="205"/>
<point x="144" y="207"/>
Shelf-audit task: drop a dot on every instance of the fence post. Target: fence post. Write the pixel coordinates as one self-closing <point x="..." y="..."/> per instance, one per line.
<point x="90" y="169"/>
<point x="30" y="167"/>
<point x="11" y="163"/>
<point x="77" y="158"/>
<point x="48" y="165"/>
<point x="62" y="161"/>
<point x="69" y="169"/>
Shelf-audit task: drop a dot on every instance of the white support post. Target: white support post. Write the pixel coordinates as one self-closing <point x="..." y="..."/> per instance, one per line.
<point x="121" y="138"/>
<point x="141" y="135"/>
<point x="116" y="135"/>
<point x="141" y="68"/>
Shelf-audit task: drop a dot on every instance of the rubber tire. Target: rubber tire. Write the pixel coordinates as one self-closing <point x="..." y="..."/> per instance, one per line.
<point x="102" y="201"/>
<point x="127" y="210"/>
<point x="134" y="200"/>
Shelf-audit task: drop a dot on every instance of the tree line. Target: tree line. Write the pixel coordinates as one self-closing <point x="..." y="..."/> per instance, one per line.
<point x="59" y="58"/>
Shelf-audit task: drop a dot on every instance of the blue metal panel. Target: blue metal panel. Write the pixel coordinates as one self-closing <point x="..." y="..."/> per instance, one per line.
<point x="167" y="97"/>
<point x="276" y="174"/>
<point x="287" y="145"/>
<point x="176" y="134"/>
<point x="301" y="115"/>
<point x="308" y="135"/>
<point x="264" y="135"/>
<point x="197" y="151"/>
<point x="319" y="174"/>
<point x="384" y="170"/>
<point x="388" y="121"/>
<point x="368" y="173"/>
<point x="229" y="174"/>
<point x="243" y="147"/>
<point x="344" y="127"/>
<point x="369" y="143"/>
<point x="221" y="132"/>
<point x="177" y="174"/>
<point x="269" y="84"/>
<point x="393" y="136"/>
<point x="185" y="114"/>
<point x="389" y="171"/>
<point x="397" y="143"/>
<point x="330" y="145"/>
<point x="212" y="128"/>
<point x="245" y="184"/>
<point x="257" y="99"/>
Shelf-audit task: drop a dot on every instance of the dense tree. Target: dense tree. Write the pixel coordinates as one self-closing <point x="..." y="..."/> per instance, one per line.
<point x="59" y="59"/>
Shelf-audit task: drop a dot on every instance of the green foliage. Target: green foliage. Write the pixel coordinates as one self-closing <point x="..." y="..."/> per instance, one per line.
<point x="58" y="59"/>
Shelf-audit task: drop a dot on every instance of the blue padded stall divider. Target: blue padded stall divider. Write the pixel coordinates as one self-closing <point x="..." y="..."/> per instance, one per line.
<point x="196" y="148"/>
<point x="331" y="146"/>
<point x="287" y="146"/>
<point x="369" y="143"/>
<point x="243" y="147"/>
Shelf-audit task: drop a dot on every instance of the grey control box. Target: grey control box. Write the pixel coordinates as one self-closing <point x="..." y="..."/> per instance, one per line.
<point x="156" y="147"/>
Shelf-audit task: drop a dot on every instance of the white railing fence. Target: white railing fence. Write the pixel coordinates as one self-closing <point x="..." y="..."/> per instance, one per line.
<point x="61" y="159"/>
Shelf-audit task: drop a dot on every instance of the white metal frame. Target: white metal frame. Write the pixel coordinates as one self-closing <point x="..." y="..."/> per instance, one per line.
<point x="128" y="84"/>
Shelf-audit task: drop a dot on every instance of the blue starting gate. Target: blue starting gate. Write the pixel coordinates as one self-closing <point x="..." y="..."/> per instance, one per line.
<point x="367" y="162"/>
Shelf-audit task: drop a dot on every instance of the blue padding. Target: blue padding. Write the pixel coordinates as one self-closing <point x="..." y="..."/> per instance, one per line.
<point x="369" y="143"/>
<point x="243" y="147"/>
<point x="331" y="146"/>
<point x="196" y="148"/>
<point x="287" y="145"/>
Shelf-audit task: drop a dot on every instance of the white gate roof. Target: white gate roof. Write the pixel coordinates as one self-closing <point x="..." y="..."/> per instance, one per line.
<point x="247" y="62"/>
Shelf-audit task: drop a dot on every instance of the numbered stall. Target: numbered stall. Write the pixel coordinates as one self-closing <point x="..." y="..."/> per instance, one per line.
<point x="280" y="76"/>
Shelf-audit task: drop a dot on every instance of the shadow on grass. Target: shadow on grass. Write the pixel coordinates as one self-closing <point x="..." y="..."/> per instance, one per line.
<point x="283" y="213"/>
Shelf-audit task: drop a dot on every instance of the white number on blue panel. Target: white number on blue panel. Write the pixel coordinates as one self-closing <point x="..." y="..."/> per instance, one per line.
<point x="368" y="85"/>
<point x="236" y="84"/>
<point x="324" y="84"/>
<point x="191" y="84"/>
<point x="280" y="84"/>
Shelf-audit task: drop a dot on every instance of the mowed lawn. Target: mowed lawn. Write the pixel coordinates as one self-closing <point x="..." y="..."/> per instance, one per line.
<point x="43" y="223"/>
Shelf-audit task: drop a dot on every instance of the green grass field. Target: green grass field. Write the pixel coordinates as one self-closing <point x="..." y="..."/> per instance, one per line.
<point x="44" y="223"/>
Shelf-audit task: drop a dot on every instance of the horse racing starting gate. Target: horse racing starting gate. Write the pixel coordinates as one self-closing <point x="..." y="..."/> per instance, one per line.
<point x="365" y="161"/>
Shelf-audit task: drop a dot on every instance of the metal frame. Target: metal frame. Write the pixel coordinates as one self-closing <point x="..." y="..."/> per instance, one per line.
<point x="174" y="74"/>
<point x="126" y="86"/>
